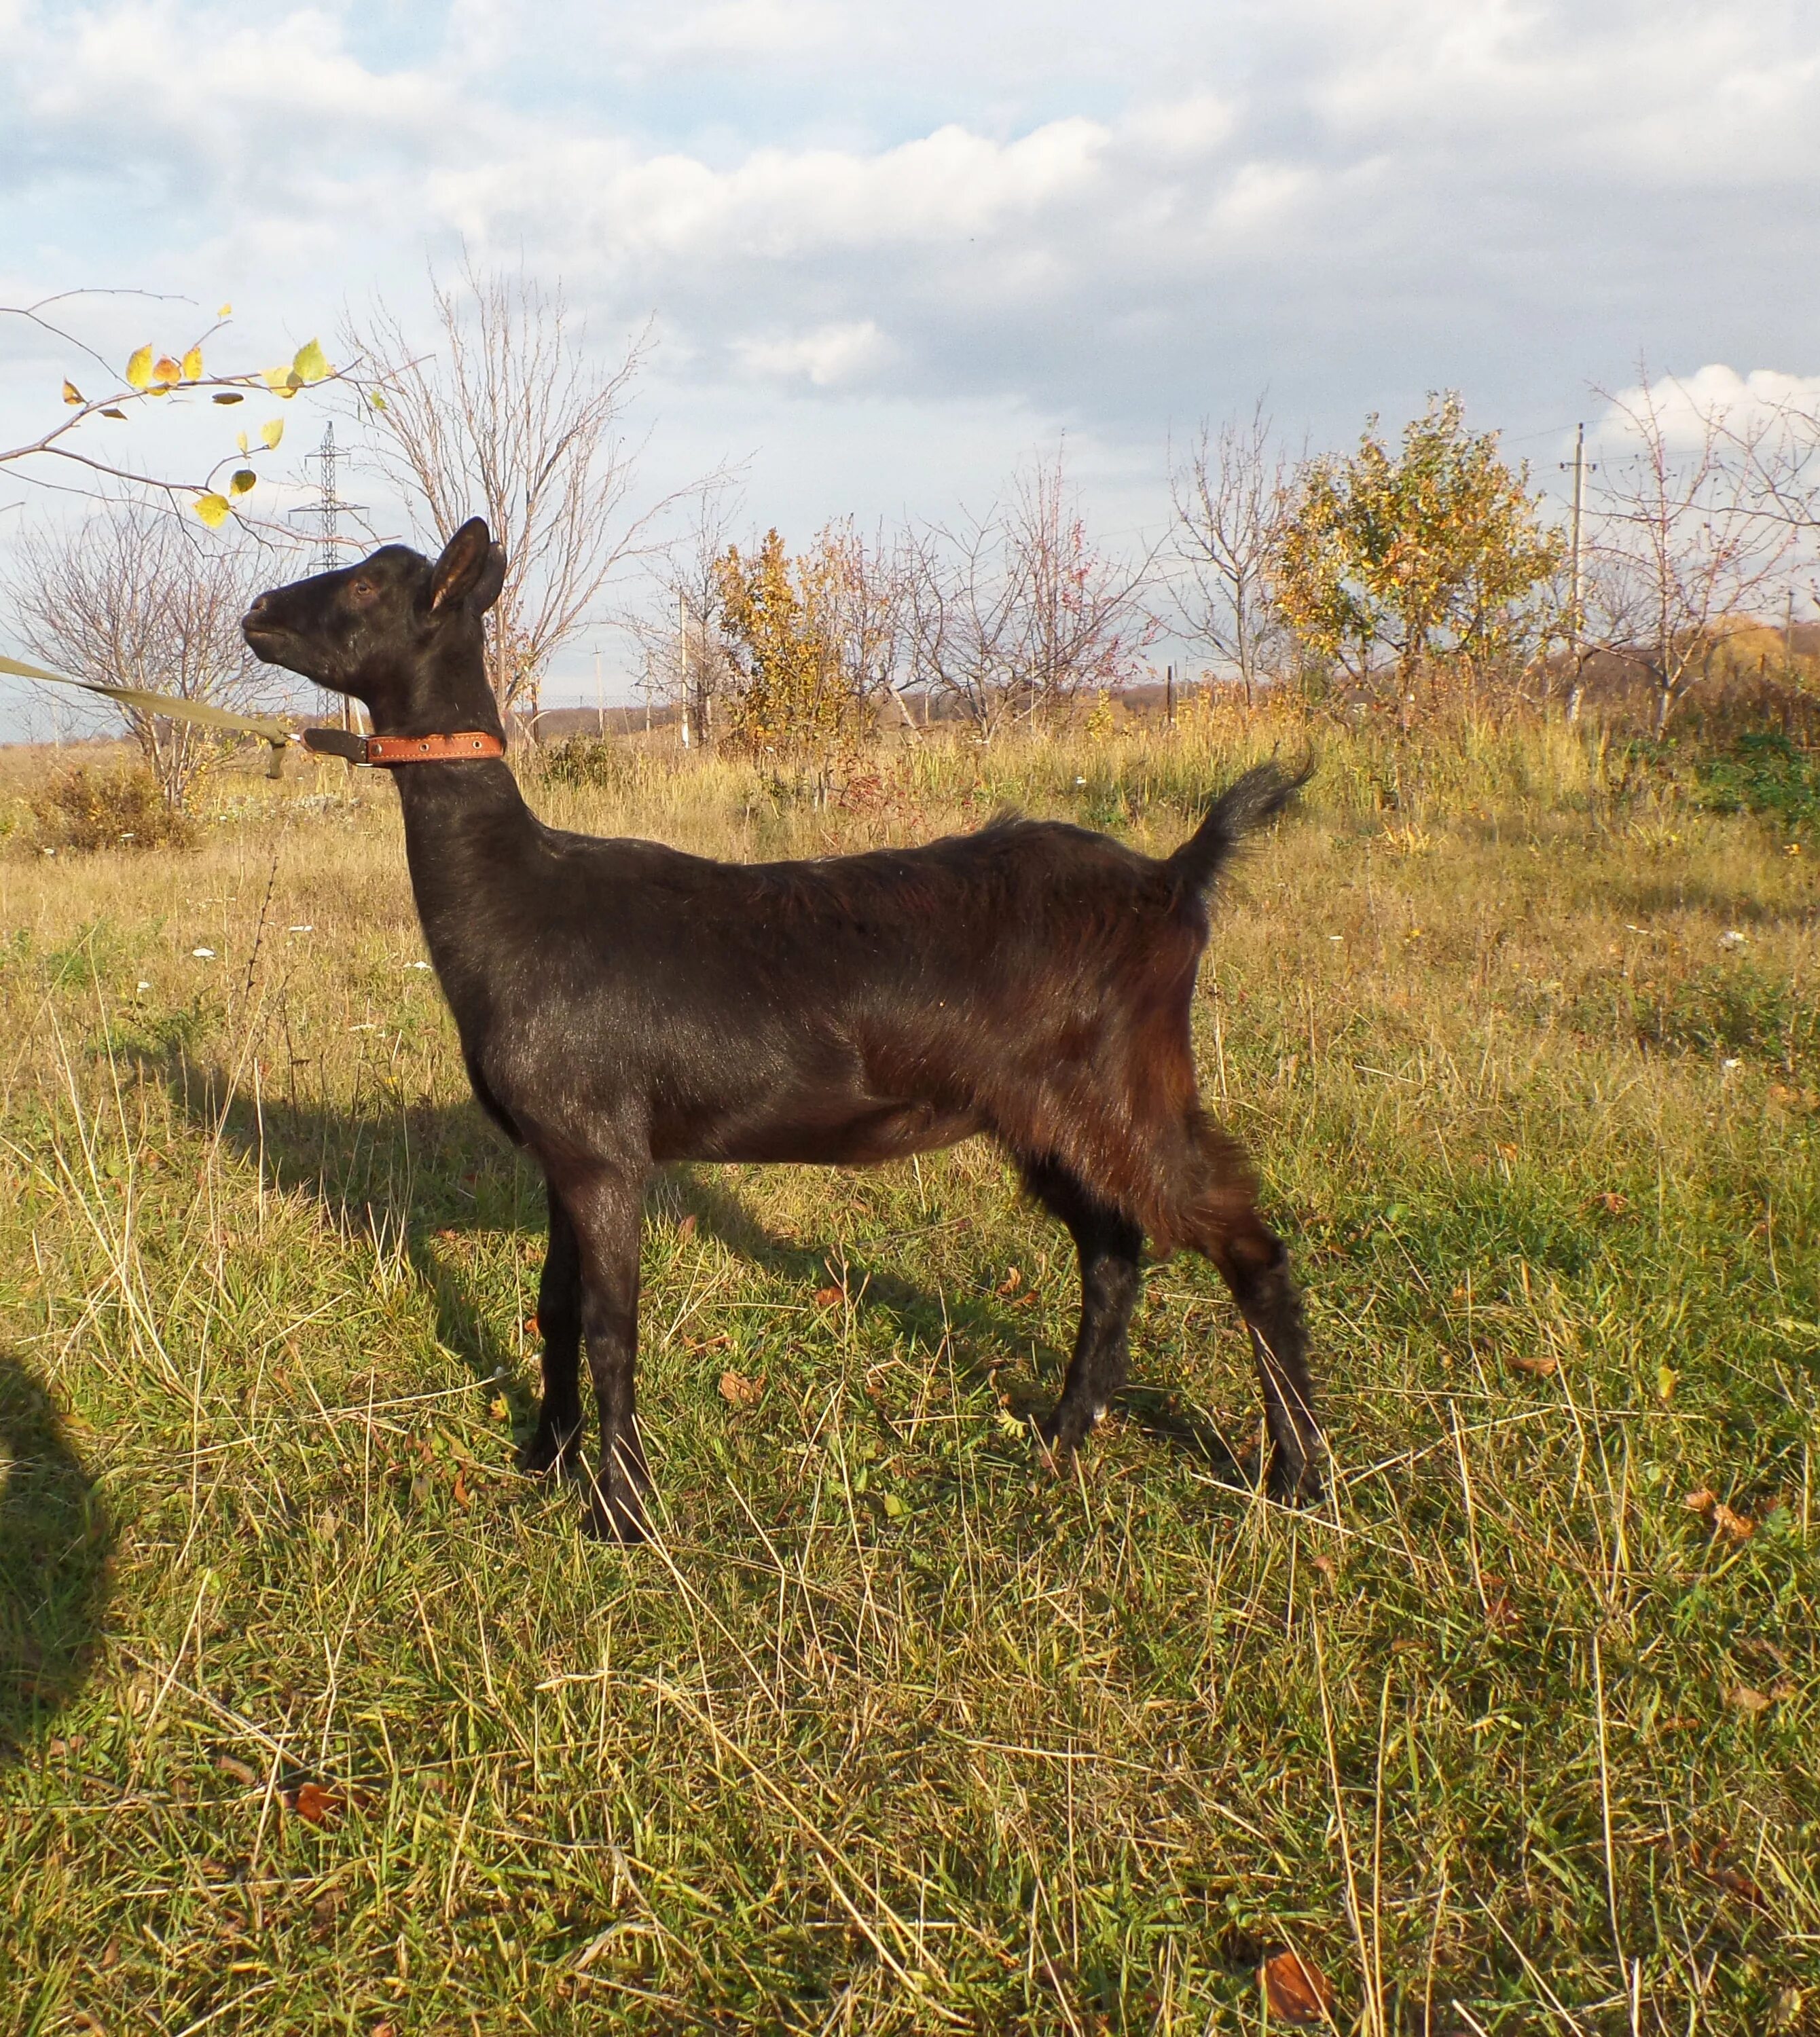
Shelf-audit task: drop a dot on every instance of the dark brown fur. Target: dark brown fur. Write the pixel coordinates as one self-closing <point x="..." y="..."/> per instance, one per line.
<point x="621" y="1005"/>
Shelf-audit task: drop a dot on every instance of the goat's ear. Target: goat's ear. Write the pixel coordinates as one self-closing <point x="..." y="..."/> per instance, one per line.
<point x="464" y="561"/>
<point x="486" y="590"/>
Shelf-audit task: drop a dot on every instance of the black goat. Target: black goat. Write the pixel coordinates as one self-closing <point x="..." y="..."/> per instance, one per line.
<point x="621" y="1004"/>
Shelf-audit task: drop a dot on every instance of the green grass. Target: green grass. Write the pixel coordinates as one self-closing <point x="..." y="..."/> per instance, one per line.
<point x="890" y="1730"/>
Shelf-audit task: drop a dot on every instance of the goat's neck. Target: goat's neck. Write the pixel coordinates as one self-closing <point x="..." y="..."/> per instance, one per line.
<point x="467" y="832"/>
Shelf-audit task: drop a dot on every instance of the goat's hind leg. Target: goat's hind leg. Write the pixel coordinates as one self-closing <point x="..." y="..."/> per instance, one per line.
<point x="1110" y="1246"/>
<point x="559" y="1429"/>
<point x="1222" y="1223"/>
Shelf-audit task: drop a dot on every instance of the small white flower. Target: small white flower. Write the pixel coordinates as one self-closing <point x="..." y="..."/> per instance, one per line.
<point x="203" y="954"/>
<point x="141" y="985"/>
<point x="1731" y="940"/>
<point x="1733" y="1063"/>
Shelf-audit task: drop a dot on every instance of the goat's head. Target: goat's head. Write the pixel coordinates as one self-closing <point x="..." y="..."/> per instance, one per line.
<point x="399" y="632"/>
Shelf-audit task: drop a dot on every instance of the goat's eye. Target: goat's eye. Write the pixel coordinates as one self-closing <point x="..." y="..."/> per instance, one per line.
<point x="361" y="590"/>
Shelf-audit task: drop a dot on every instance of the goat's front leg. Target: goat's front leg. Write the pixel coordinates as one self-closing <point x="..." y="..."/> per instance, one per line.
<point x="559" y="1322"/>
<point x="604" y="1210"/>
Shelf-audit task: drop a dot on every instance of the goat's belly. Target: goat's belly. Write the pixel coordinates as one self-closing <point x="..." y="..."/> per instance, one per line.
<point x="814" y="1136"/>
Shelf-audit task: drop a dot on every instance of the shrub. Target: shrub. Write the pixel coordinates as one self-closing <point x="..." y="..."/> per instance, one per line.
<point x="1764" y="773"/>
<point x="88" y="808"/>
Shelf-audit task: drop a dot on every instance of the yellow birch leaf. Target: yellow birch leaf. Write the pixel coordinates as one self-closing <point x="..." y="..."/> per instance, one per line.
<point x="212" y="509"/>
<point x="120" y="414"/>
<point x="139" y="369"/>
<point x="193" y="365"/>
<point x="271" y="431"/>
<point x="166" y="370"/>
<point x="71" y="394"/>
<point x="310" y="364"/>
<point x="244" y="477"/>
<point x="240" y="440"/>
<point x="226" y="311"/>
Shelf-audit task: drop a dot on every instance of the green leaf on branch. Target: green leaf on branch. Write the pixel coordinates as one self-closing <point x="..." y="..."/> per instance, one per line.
<point x="212" y="509"/>
<point x="139" y="369"/>
<point x="244" y="477"/>
<point x="377" y="401"/>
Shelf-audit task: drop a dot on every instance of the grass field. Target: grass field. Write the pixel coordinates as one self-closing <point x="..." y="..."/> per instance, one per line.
<point x="316" y="1717"/>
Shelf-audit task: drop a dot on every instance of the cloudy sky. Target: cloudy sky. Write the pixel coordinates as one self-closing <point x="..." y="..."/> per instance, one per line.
<point x="889" y="251"/>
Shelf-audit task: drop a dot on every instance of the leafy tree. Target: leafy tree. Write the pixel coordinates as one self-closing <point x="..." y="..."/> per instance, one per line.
<point x="788" y="696"/>
<point x="1431" y="549"/>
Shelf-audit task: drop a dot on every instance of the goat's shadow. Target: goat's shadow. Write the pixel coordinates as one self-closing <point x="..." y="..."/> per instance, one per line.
<point x="56" y="1551"/>
<point x="421" y="1173"/>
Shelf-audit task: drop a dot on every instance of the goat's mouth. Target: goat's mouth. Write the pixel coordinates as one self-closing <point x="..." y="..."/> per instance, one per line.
<point x="265" y="638"/>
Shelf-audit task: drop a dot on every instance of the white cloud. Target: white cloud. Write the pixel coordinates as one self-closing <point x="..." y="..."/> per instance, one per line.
<point x="1684" y="404"/>
<point x="828" y="358"/>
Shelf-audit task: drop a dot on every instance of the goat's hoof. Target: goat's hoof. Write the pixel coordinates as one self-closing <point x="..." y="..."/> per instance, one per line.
<point x="1294" y="1480"/>
<point x="1061" y="1432"/>
<point x="615" y="1521"/>
<point x="550" y="1449"/>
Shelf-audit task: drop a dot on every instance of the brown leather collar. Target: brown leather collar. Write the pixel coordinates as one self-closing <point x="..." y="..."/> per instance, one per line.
<point x="388" y="750"/>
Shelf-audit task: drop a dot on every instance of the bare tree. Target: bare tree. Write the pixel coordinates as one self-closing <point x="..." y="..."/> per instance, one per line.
<point x="680" y="636"/>
<point x="1225" y="494"/>
<point x="515" y="419"/>
<point x="1683" y="544"/>
<point x="133" y="598"/>
<point x="1017" y="613"/>
<point x="864" y="619"/>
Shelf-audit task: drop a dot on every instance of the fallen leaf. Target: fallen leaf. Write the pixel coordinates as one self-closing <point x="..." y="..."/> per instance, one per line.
<point x="1500" y="1608"/>
<point x="315" y="1805"/>
<point x="246" y="1777"/>
<point x="497" y="1408"/>
<point x="738" y="1391"/>
<point x="1012" y="1282"/>
<point x="687" y="1228"/>
<point x="461" y="1491"/>
<point x="1613" y="1203"/>
<point x="1325" y="1565"/>
<point x="1507" y="1153"/>
<point x="1752" y="1704"/>
<point x="827" y="1298"/>
<point x="1700" y="1501"/>
<point x="1740" y="1527"/>
<point x="1541" y="1367"/>
<point x="1667" y="1379"/>
<point x="1294" y="1991"/>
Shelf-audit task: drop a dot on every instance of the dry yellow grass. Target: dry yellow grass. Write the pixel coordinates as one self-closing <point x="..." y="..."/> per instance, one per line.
<point x="889" y="1731"/>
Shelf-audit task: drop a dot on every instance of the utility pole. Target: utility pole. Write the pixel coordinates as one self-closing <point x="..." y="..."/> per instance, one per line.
<point x="327" y="510"/>
<point x="1580" y="470"/>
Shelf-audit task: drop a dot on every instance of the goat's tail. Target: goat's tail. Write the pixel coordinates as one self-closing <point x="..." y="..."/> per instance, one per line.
<point x="1245" y="804"/>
